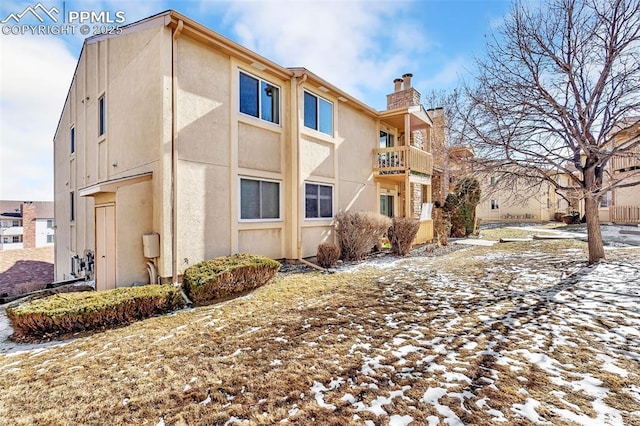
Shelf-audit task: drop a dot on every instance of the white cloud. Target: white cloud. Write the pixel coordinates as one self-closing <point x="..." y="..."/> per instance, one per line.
<point x="448" y="75"/>
<point x="35" y="77"/>
<point x="358" y="46"/>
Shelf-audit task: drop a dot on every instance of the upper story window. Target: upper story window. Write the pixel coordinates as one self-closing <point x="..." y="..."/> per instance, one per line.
<point x="102" y="116"/>
<point x="386" y="139"/>
<point x="16" y="223"/>
<point x="318" y="201"/>
<point x="494" y="205"/>
<point x="50" y="223"/>
<point x="72" y="206"/>
<point x="259" y="199"/>
<point x="73" y="140"/>
<point x="259" y="98"/>
<point x="318" y="113"/>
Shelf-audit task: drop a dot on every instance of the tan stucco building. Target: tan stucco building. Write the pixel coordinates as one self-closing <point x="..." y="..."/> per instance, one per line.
<point x="172" y="131"/>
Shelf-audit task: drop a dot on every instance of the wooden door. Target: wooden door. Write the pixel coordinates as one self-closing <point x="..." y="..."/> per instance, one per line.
<point x="105" y="247"/>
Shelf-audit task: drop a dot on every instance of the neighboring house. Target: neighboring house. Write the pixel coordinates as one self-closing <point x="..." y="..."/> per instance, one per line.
<point x="623" y="204"/>
<point x="27" y="224"/>
<point x="518" y="201"/>
<point x="175" y="133"/>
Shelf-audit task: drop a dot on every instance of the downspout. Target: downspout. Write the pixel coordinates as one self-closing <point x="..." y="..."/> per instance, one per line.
<point x="174" y="153"/>
<point x="298" y="179"/>
<point x="299" y="174"/>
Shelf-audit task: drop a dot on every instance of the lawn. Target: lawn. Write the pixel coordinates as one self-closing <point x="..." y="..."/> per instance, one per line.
<point x="517" y="333"/>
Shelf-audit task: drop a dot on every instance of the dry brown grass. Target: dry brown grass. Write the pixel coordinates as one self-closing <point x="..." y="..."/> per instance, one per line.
<point x="258" y="357"/>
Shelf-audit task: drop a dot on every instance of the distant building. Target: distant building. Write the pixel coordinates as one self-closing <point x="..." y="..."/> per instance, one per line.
<point x="27" y="224"/>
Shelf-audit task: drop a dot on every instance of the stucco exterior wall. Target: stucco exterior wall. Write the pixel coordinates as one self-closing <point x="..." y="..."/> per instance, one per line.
<point x="134" y="218"/>
<point x="130" y="72"/>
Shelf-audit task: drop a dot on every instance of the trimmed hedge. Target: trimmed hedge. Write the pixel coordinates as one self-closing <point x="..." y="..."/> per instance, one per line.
<point x="221" y="277"/>
<point x="66" y="313"/>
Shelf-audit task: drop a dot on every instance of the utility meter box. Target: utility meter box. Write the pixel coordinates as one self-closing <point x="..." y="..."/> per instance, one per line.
<point x="151" y="245"/>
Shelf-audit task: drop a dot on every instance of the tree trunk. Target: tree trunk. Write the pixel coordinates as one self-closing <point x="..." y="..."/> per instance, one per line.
<point x="594" y="234"/>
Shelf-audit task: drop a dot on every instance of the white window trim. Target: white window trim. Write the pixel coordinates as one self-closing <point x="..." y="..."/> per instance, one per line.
<point x="279" y="182"/>
<point x="333" y="201"/>
<point x="259" y="118"/>
<point x="333" y="112"/>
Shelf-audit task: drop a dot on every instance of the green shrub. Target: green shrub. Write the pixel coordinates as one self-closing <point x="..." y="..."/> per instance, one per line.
<point x="401" y="234"/>
<point x="461" y="207"/>
<point x="221" y="277"/>
<point x="328" y="254"/>
<point x="65" y="313"/>
<point x="359" y="232"/>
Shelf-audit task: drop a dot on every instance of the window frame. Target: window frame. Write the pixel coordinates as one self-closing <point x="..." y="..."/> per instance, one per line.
<point x="333" y="209"/>
<point x="72" y="206"/>
<point x="259" y="179"/>
<point x="318" y="115"/>
<point x="102" y="115"/>
<point x="72" y="138"/>
<point x="278" y="113"/>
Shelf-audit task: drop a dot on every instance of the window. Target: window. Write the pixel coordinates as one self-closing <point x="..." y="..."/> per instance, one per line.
<point x="259" y="98"/>
<point x="102" y="116"/>
<point x="72" y="206"/>
<point x="17" y="239"/>
<point x="386" y="139"/>
<point x="386" y="205"/>
<point x="73" y="140"/>
<point x="493" y="180"/>
<point x="494" y="205"/>
<point x="605" y="200"/>
<point x="318" y="201"/>
<point x="259" y="199"/>
<point x="50" y="223"/>
<point x="15" y="223"/>
<point x="548" y="203"/>
<point x="50" y="238"/>
<point x="318" y="113"/>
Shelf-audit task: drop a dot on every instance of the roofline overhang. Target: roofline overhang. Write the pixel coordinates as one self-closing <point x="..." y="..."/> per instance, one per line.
<point x="340" y="94"/>
<point x="419" y="117"/>
<point x="114" y="184"/>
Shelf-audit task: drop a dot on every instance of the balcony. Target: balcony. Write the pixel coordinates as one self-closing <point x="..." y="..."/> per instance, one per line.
<point x="400" y="161"/>
<point x="621" y="164"/>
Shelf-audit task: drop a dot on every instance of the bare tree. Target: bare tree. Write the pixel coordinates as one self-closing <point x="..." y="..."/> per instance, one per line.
<point x="557" y="83"/>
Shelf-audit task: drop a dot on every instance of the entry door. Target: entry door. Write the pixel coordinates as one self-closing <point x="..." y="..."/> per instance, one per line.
<point x="386" y="205"/>
<point x="105" y="247"/>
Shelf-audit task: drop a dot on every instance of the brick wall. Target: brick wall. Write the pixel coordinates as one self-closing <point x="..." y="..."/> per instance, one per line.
<point x="28" y="211"/>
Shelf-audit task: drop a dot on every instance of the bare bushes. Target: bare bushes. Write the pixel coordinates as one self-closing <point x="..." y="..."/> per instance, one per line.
<point x="358" y="232"/>
<point x="401" y="234"/>
<point x="328" y="254"/>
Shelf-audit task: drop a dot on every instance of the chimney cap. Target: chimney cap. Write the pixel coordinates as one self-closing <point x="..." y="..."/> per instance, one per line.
<point x="407" y="75"/>
<point x="397" y="80"/>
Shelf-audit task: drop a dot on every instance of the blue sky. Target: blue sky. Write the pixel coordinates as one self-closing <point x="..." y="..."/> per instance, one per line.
<point x="359" y="46"/>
